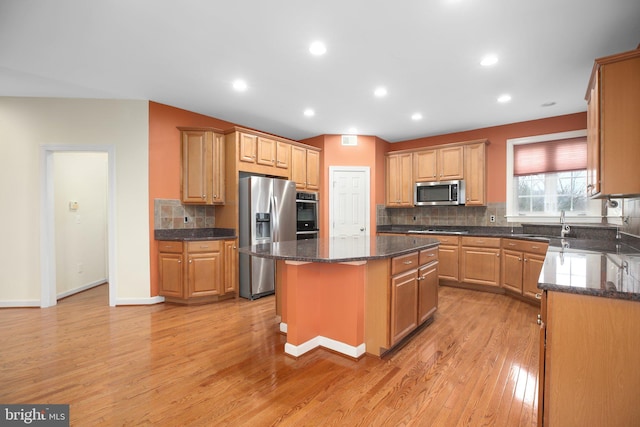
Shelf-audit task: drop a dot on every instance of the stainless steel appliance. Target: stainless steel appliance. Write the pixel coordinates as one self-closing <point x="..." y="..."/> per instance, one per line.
<point x="267" y="210"/>
<point x="439" y="193"/>
<point x="306" y="215"/>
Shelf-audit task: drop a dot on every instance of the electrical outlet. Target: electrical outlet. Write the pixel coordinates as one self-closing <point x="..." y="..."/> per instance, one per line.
<point x="414" y="218"/>
<point x="186" y="219"/>
<point x="492" y="218"/>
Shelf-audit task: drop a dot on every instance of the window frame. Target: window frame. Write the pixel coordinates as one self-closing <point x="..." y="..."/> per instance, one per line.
<point x="594" y="207"/>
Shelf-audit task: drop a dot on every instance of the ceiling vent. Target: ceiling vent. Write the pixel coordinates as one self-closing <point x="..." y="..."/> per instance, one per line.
<point x="350" y="140"/>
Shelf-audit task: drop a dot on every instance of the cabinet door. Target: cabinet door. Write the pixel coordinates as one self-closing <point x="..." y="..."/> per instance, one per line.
<point x="266" y="152"/>
<point x="283" y="155"/>
<point x="448" y="257"/>
<point x="171" y="274"/>
<point x="247" y="148"/>
<point x="392" y="185"/>
<point x="406" y="180"/>
<point x="480" y="266"/>
<point x="450" y="163"/>
<point x="218" y="183"/>
<point x="230" y="282"/>
<point x="475" y="174"/>
<point x="404" y="307"/>
<point x="593" y="140"/>
<point x="299" y="166"/>
<point x="427" y="291"/>
<point x="530" y="274"/>
<point x="425" y="164"/>
<point x="196" y="166"/>
<point x="313" y="170"/>
<point x="512" y="270"/>
<point x="204" y="274"/>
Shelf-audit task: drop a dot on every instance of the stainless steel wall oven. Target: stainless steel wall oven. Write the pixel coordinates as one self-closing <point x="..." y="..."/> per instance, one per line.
<point x="307" y="226"/>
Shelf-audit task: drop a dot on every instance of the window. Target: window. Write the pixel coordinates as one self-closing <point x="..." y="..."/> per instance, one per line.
<point x="546" y="174"/>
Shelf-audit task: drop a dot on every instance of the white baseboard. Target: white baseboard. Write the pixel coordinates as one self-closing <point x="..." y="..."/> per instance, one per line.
<point x="139" y="301"/>
<point x="81" y="288"/>
<point x="18" y="303"/>
<point x="325" y="342"/>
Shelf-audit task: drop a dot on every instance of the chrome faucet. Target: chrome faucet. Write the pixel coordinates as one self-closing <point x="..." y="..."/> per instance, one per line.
<point x="565" y="229"/>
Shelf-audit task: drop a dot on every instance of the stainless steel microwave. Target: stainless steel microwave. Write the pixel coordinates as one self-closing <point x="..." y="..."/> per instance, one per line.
<point x="439" y="193"/>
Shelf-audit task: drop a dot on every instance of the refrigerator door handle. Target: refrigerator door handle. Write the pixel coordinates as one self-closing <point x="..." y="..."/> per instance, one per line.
<point x="275" y="232"/>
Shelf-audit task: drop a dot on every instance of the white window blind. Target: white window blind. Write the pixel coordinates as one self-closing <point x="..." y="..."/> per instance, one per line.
<point x="550" y="156"/>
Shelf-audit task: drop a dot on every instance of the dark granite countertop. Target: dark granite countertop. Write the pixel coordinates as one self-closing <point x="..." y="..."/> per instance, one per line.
<point x="596" y="263"/>
<point x="340" y="249"/>
<point x="187" y="234"/>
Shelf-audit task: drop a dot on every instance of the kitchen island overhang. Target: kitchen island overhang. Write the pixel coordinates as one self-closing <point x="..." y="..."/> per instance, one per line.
<point x="338" y="293"/>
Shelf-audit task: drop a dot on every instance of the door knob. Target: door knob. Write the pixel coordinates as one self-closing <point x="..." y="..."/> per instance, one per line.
<point x="361" y="228"/>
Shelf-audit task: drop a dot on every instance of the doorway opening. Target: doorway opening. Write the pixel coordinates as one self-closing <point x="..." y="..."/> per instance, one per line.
<point x="56" y="254"/>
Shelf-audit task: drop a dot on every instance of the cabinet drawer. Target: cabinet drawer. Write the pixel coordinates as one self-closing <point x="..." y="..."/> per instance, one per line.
<point x="483" y="242"/>
<point x="428" y="255"/>
<point x="403" y="263"/>
<point x="204" y="246"/>
<point x="170" y="246"/>
<point x="447" y="240"/>
<point x="525" y="246"/>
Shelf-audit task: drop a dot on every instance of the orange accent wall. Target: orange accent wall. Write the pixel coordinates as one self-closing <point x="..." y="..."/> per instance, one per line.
<point x="369" y="152"/>
<point x="164" y="161"/>
<point x="497" y="149"/>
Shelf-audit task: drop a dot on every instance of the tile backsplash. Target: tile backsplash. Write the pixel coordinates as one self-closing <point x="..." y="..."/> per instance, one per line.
<point x="631" y="216"/>
<point x="481" y="216"/>
<point x="170" y="214"/>
<point x="444" y="215"/>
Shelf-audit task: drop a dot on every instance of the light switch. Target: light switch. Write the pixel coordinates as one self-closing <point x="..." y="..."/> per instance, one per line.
<point x="73" y="206"/>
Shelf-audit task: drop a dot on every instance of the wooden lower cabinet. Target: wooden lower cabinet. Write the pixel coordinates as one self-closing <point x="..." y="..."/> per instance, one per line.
<point x="589" y="358"/>
<point x="480" y="261"/>
<point x="198" y="271"/>
<point x="404" y="307"/>
<point x="401" y="294"/>
<point x="521" y="266"/>
<point x="448" y="257"/>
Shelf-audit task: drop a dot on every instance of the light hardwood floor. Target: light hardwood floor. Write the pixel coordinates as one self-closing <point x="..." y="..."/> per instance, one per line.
<point x="223" y="364"/>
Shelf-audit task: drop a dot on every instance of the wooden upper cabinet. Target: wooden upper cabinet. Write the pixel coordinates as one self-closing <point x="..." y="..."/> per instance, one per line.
<point x="450" y="163"/>
<point x="203" y="166"/>
<point x="266" y="152"/>
<point x="438" y="164"/>
<point x="305" y="168"/>
<point x="399" y="180"/>
<point x="475" y="174"/>
<point x="313" y="170"/>
<point x="248" y="147"/>
<point x="425" y="166"/>
<point x="283" y="155"/>
<point x="613" y="103"/>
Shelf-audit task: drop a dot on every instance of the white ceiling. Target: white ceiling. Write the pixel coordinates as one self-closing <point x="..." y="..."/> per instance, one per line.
<point x="426" y="52"/>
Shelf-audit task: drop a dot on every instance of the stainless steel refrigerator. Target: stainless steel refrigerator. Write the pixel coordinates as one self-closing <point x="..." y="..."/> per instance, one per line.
<point x="267" y="209"/>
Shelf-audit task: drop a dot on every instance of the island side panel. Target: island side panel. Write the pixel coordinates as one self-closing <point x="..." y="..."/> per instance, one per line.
<point x="377" y="307"/>
<point x="324" y="300"/>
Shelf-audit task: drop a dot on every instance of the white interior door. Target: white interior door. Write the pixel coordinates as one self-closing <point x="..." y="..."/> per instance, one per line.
<point x="348" y="201"/>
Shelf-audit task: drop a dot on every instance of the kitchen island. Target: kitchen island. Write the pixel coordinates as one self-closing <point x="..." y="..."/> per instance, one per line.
<point x="353" y="295"/>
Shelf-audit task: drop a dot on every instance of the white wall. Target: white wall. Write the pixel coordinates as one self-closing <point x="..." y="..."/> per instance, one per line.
<point x="26" y="124"/>
<point x="80" y="201"/>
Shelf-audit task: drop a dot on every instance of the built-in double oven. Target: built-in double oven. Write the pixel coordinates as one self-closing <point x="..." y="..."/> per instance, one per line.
<point x="306" y="215"/>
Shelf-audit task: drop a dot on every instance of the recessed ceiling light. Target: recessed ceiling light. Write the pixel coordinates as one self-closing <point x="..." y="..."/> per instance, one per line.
<point x="380" y="92"/>
<point x="489" y="60"/>
<point x="309" y="112"/>
<point x="504" y="98"/>
<point x="416" y="116"/>
<point x="240" y="85"/>
<point x="318" y="48"/>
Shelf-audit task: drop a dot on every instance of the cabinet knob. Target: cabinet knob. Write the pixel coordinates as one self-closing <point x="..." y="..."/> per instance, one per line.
<point x="525" y="260"/>
<point x="179" y="261"/>
<point x="204" y="197"/>
<point x="190" y="261"/>
<point x="538" y="296"/>
<point x="519" y="259"/>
